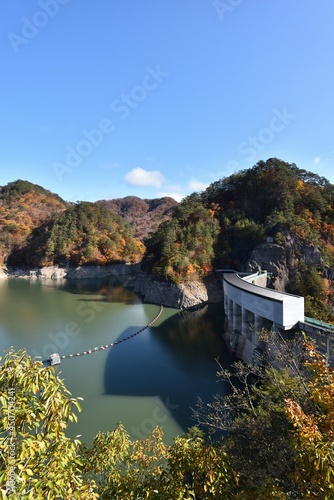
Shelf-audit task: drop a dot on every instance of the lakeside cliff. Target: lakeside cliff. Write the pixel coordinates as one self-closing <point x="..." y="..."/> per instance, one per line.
<point x="152" y="290"/>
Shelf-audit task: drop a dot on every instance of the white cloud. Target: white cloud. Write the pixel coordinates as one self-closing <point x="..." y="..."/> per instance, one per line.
<point x="176" y="196"/>
<point x="316" y="160"/>
<point x="197" y="185"/>
<point x="140" y="177"/>
<point x="178" y="192"/>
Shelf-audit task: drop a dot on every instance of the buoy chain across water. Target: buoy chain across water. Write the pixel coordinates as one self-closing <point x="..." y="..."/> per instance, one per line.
<point x="106" y="346"/>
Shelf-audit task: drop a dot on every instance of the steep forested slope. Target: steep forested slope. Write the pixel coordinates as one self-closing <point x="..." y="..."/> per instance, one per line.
<point x="269" y="199"/>
<point x="24" y="207"/>
<point x="222" y="225"/>
<point x="85" y="233"/>
<point x="88" y="233"/>
<point x="183" y="247"/>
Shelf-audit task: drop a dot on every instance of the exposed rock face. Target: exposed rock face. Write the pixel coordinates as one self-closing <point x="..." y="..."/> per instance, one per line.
<point x="328" y="273"/>
<point x="58" y="273"/>
<point x="181" y="296"/>
<point x="119" y="270"/>
<point x="53" y="273"/>
<point x="3" y="273"/>
<point x="44" y="273"/>
<point x="157" y="292"/>
<point x="312" y="255"/>
<point x="154" y="291"/>
<point x="280" y="260"/>
<point x="273" y="258"/>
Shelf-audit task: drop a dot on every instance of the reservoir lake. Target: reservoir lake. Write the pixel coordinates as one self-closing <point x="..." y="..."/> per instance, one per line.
<point x="152" y="379"/>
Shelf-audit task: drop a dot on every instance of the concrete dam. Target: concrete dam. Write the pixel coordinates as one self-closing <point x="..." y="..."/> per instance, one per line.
<point x="250" y="307"/>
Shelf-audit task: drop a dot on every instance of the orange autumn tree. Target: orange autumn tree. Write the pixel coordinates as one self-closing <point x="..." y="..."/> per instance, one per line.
<point x="313" y="438"/>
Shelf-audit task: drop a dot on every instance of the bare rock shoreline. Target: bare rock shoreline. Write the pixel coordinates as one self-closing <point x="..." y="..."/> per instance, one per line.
<point x="152" y="290"/>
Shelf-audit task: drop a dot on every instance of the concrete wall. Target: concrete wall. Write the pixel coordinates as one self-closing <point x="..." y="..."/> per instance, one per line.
<point x="281" y="308"/>
<point x="250" y="308"/>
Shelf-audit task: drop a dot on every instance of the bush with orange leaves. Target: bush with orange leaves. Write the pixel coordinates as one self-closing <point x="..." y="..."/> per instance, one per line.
<point x="313" y="437"/>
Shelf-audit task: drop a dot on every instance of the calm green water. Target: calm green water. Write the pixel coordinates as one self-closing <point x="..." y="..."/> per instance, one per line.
<point x="152" y="379"/>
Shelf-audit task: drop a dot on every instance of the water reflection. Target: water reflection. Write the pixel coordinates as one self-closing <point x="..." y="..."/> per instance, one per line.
<point x="104" y="289"/>
<point x="175" y="362"/>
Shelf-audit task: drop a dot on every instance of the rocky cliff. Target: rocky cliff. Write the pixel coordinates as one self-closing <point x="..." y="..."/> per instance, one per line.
<point x="272" y="258"/>
<point x="282" y="260"/>
<point x="183" y="296"/>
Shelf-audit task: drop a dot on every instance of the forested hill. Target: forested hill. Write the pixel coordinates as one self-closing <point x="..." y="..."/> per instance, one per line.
<point x="23" y="208"/>
<point x="222" y="226"/>
<point x="38" y="228"/>
<point x="143" y="215"/>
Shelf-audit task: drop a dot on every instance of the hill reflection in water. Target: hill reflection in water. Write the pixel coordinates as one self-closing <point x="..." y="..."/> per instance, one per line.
<point x="174" y="362"/>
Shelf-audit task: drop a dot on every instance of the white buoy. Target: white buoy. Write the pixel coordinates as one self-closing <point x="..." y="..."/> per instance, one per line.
<point x="55" y="359"/>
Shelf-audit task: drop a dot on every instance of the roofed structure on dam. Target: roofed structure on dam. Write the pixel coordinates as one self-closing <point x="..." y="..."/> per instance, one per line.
<point x="283" y="309"/>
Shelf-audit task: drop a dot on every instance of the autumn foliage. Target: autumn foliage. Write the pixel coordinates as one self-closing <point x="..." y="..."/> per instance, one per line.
<point x="183" y="249"/>
<point x="23" y="208"/>
<point x="313" y="437"/>
<point x="88" y="233"/>
<point x="40" y="229"/>
<point x="221" y="226"/>
<point x="278" y="439"/>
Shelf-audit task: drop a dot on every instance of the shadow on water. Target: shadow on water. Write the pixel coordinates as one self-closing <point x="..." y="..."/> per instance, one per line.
<point x="174" y="362"/>
<point x="109" y="289"/>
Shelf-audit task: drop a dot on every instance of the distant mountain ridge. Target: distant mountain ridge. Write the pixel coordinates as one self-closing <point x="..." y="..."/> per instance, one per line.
<point x="144" y="215"/>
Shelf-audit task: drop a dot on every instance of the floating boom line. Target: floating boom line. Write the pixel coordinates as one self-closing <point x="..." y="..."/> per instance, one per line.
<point x="55" y="359"/>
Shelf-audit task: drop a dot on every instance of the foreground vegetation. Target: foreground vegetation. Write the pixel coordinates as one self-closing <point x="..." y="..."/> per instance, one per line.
<point x="279" y="441"/>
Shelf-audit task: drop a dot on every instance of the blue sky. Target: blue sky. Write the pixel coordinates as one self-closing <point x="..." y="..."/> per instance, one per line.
<point x="107" y="98"/>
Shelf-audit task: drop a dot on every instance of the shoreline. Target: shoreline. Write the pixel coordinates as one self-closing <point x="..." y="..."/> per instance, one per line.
<point x="190" y="295"/>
